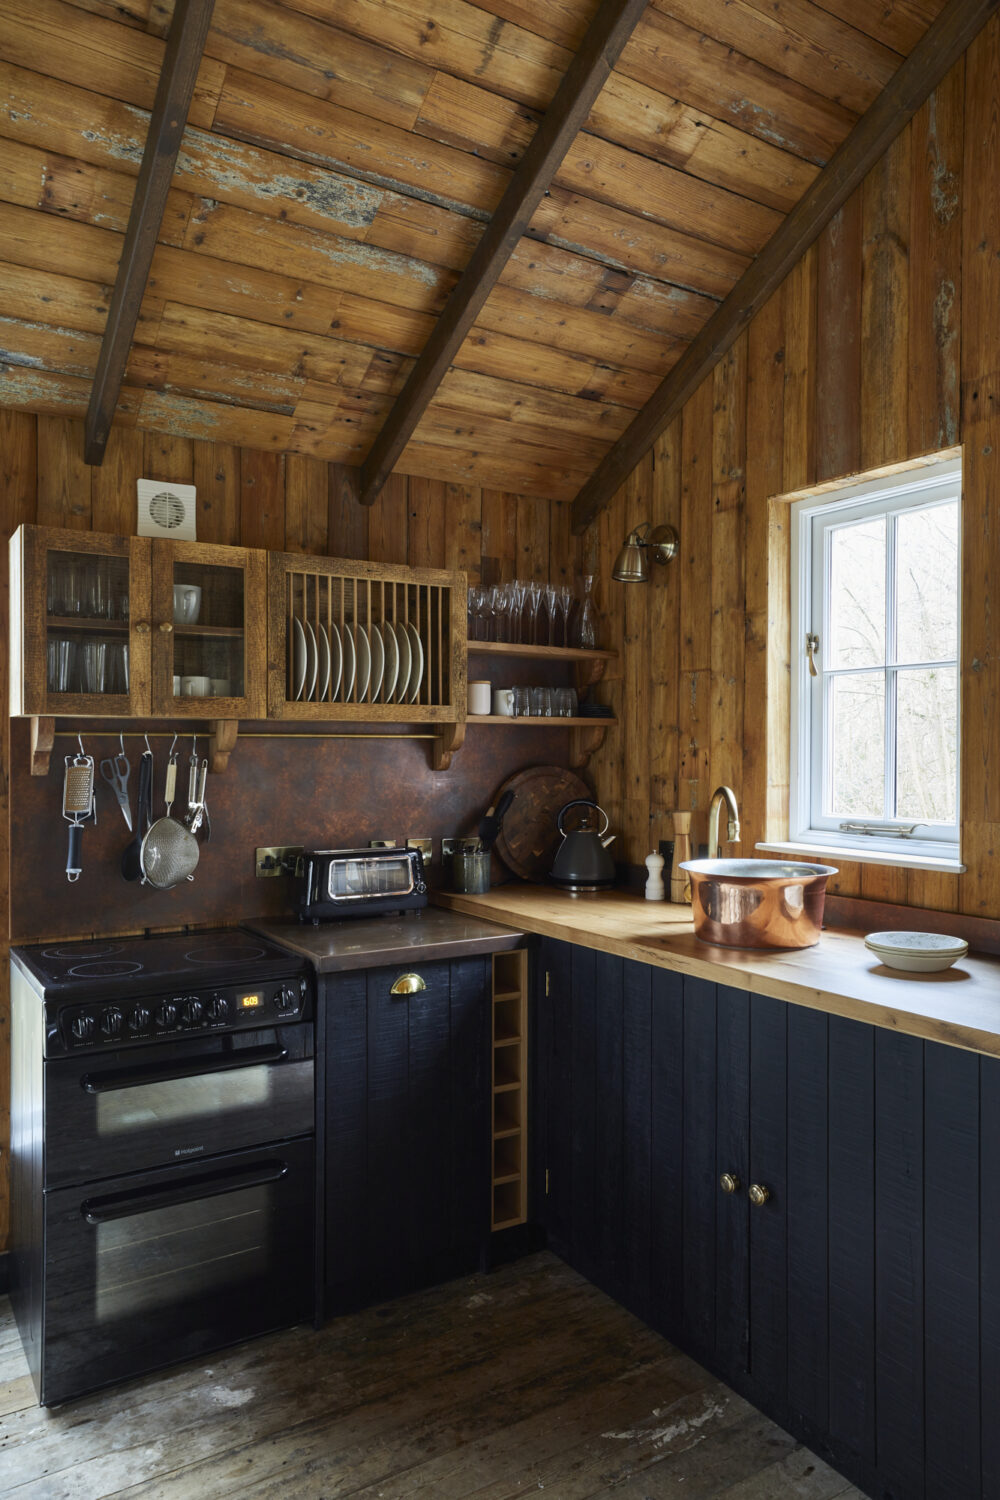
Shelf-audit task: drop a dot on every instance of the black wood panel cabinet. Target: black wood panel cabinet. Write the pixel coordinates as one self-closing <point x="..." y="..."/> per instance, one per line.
<point x="806" y="1204"/>
<point x="404" y="1132"/>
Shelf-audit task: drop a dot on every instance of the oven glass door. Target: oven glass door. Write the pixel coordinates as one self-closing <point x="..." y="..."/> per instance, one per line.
<point x="161" y="1266"/>
<point x="125" y="1110"/>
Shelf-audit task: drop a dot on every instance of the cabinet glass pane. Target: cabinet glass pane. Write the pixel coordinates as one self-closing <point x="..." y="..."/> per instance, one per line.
<point x="87" y="611"/>
<point x="209" y="621"/>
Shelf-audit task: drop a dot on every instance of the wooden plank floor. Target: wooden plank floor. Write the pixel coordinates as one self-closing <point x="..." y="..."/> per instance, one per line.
<point x="524" y="1381"/>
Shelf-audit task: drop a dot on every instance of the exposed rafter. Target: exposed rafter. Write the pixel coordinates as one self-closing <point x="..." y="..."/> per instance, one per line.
<point x="574" y="98"/>
<point x="939" y="49"/>
<point x="181" y="60"/>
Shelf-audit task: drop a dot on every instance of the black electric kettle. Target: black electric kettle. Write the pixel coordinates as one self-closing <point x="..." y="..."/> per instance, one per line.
<point x="582" y="861"/>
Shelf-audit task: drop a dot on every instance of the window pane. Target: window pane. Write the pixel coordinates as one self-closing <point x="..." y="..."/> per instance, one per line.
<point x="857" y="595"/>
<point x="926" y="745"/>
<point x="855" y="788"/>
<point x="927" y="584"/>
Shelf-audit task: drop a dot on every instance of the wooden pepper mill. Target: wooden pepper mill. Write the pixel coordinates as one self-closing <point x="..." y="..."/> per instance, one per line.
<point x="680" y="885"/>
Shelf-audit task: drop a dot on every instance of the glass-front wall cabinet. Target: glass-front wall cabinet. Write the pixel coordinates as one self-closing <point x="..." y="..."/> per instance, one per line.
<point x="126" y="626"/>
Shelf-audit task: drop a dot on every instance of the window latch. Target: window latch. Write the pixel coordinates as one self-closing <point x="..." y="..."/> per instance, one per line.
<point x="812" y="647"/>
<point x="881" y="830"/>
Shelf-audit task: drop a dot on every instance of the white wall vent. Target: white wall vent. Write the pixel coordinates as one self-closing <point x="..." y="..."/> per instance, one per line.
<point x="167" y="509"/>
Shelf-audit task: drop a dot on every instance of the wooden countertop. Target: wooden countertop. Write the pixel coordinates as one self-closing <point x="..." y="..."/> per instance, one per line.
<point x="960" y="1006"/>
<point x="404" y="938"/>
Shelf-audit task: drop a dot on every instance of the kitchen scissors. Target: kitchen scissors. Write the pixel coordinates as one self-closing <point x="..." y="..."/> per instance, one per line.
<point x="115" y="771"/>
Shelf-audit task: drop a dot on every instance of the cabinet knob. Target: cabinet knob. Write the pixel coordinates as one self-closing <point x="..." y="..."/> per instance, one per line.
<point x="729" y="1182"/>
<point x="408" y="984"/>
<point x="141" y="627"/>
<point x="758" y="1194"/>
<point x="166" y="627"/>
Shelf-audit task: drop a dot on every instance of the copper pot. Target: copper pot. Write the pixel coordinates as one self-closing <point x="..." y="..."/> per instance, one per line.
<point x="757" y="903"/>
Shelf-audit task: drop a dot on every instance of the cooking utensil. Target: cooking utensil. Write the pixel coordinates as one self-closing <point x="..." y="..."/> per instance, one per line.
<point x="115" y="771"/>
<point x="132" y="857"/>
<point x="582" y="861"/>
<point x="492" y="822"/>
<point x="170" y="852"/>
<point x="199" y="808"/>
<point x="528" y="840"/>
<point x="77" y="806"/>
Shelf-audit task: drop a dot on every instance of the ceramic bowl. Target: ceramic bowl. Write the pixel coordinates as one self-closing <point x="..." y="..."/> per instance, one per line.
<point x="917" y="952"/>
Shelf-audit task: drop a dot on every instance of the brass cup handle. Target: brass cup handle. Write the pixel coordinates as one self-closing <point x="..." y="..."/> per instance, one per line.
<point x="729" y="1182"/>
<point x="758" y="1194"/>
<point x="166" y="627"/>
<point x="408" y="984"/>
<point x="142" y="627"/>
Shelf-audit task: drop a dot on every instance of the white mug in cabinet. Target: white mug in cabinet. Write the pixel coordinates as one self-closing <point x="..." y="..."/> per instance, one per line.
<point x="196" y="687"/>
<point x="187" y="603"/>
<point x="503" y="702"/>
<point x="479" y="697"/>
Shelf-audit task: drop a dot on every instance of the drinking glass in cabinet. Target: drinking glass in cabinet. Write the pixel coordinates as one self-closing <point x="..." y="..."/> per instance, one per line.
<point x="522" y="702"/>
<point x="61" y="664"/>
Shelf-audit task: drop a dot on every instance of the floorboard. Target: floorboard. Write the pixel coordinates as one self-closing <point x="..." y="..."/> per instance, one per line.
<point x="494" y="1387"/>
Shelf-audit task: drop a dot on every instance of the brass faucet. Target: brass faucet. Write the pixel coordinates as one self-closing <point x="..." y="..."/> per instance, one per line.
<point x="722" y="794"/>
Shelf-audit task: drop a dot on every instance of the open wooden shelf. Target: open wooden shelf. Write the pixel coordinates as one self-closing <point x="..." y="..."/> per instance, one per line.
<point x="538" y="721"/>
<point x="510" y="1095"/>
<point x="539" y="653"/>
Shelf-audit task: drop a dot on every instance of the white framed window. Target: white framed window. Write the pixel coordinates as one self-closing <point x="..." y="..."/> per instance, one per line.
<point x="875" y="665"/>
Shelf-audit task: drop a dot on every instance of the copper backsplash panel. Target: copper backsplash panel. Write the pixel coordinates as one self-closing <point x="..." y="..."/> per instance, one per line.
<point x="334" y="793"/>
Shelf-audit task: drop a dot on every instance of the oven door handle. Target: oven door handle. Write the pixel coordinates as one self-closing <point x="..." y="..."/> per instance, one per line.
<point x="207" y="1185"/>
<point x="223" y="1062"/>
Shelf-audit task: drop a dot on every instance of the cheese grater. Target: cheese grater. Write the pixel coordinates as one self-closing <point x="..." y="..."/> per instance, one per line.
<point x="78" y="804"/>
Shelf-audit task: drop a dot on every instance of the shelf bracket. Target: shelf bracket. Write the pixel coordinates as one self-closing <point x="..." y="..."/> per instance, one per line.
<point x="222" y="741"/>
<point x="449" y="742"/>
<point x="586" y="673"/>
<point x="43" y="734"/>
<point x="583" y="742"/>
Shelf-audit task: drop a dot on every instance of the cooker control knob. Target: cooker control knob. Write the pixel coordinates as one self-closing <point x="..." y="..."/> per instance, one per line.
<point x="140" y="1018"/>
<point x="112" y="1021"/>
<point x="287" y="998"/>
<point x="218" y="1008"/>
<point x="166" y="1015"/>
<point x="192" y="1011"/>
<point x="83" y="1027"/>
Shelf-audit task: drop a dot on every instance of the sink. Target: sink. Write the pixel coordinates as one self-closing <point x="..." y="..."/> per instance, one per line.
<point x="757" y="903"/>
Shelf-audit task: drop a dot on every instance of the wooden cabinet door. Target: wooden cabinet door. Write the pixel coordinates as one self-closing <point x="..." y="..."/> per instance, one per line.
<point x="209" y="631"/>
<point x="79" y="623"/>
<point x="406" y="1122"/>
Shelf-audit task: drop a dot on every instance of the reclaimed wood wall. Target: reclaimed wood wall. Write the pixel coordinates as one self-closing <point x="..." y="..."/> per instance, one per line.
<point x="270" y="500"/>
<point x="882" y="344"/>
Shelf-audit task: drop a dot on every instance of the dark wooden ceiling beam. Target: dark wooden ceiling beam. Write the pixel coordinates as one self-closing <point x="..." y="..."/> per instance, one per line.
<point x="916" y="78"/>
<point x="563" y="120"/>
<point x="174" y="90"/>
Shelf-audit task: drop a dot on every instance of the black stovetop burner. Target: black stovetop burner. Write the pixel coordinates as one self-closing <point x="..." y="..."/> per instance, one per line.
<point x="137" y="965"/>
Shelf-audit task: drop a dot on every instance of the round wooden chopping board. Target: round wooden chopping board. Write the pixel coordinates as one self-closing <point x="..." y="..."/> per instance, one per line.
<point x="529" y="838"/>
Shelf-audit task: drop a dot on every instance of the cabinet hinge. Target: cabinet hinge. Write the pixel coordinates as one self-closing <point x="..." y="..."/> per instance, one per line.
<point x="548" y="976"/>
<point x="546" y="1182"/>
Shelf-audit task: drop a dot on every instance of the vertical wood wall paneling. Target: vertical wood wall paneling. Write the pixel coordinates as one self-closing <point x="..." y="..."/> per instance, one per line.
<point x="262" y="500"/>
<point x="838" y="343"/>
<point x="114" y="498"/>
<point x="463" y="539"/>
<point x="307" y="503"/>
<point x="951" y="1274"/>
<point x="899" y="1263"/>
<point x="348" y="527"/>
<point x="499" y="537"/>
<point x="64" y="480"/>
<point x="695" y="685"/>
<point x="728" y="590"/>
<point x="980" y="682"/>
<point x="426" y="523"/>
<point x="217" y="479"/>
<point x="388" y="524"/>
<point x="633" y="736"/>
<point x="663" y="645"/>
<point x="885" y="373"/>
<point x="765" y="733"/>
<point x="18" y="499"/>
<point x="935" y="321"/>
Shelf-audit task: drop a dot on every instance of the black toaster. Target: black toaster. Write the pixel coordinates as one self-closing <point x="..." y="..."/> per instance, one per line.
<point x="338" y="883"/>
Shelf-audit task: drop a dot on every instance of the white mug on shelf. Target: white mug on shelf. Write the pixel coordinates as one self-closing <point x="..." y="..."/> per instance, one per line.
<point x="479" y="697"/>
<point x="187" y="603"/>
<point x="196" y="687"/>
<point x="503" y="702"/>
<point x="221" y="687"/>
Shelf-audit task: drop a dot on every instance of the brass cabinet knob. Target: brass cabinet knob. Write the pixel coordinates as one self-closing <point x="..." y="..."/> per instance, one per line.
<point x="142" y="627"/>
<point x="729" y="1183"/>
<point x="408" y="984"/>
<point x="166" y="627"/>
<point x="758" y="1194"/>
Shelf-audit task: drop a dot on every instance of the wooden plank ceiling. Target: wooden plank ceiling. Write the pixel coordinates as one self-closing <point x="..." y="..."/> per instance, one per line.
<point x="340" y="162"/>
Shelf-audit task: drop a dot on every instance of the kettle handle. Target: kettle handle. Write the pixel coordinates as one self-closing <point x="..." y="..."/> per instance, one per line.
<point x="583" y="802"/>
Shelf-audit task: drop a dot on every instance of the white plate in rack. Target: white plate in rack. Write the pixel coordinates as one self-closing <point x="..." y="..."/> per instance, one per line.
<point x="378" y="660"/>
<point x="391" y="648"/>
<point x="298" y="660"/>
<point x="364" y="654"/>
<point x="336" y="661"/>
<point x="405" y="664"/>
<point x="417" y="670"/>
<point x="312" y="663"/>
<point x="325" y="664"/>
<point x="350" y="663"/>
